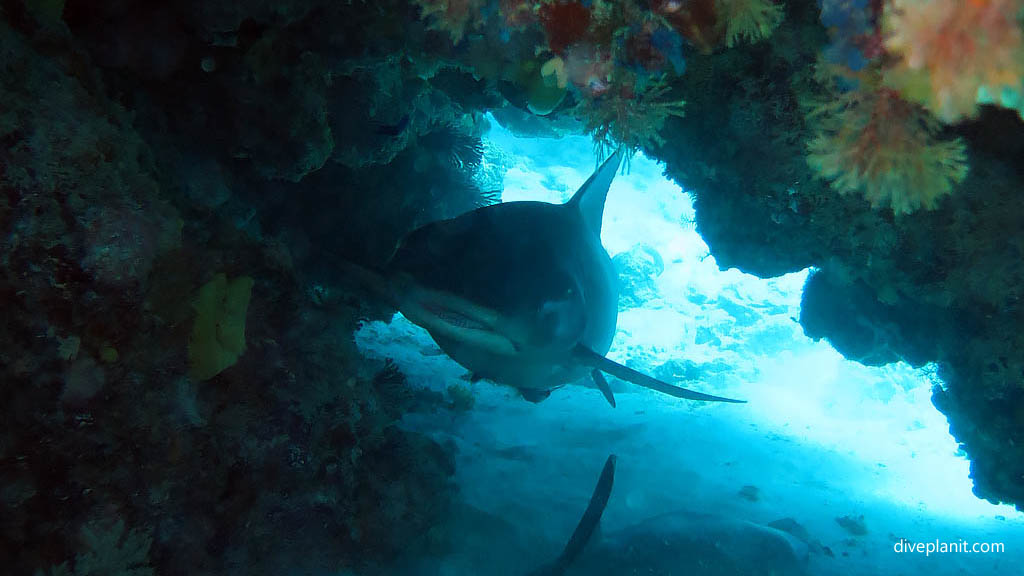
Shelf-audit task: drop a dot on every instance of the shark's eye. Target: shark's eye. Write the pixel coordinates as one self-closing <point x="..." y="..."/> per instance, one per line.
<point x="560" y="321"/>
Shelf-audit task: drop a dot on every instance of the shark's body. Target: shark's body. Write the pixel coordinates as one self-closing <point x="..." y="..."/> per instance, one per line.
<point x="520" y="293"/>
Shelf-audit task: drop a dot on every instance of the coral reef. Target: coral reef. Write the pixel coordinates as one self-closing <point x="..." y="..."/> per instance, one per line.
<point x="148" y="147"/>
<point x="132" y="173"/>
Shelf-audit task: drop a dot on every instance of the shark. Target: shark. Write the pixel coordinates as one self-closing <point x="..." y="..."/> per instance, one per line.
<point x="521" y="293"/>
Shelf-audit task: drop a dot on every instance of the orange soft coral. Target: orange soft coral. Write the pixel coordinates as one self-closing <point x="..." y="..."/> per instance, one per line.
<point x="949" y="50"/>
<point x="874" y="143"/>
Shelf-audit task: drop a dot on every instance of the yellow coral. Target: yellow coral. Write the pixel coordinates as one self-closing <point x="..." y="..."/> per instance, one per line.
<point x="951" y="52"/>
<point x="556" y="67"/>
<point x="748" y="20"/>
<point x="874" y="143"/>
<point x="218" y="334"/>
<point x="545" y="87"/>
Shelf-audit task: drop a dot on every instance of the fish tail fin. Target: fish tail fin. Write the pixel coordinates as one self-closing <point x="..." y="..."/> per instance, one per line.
<point x="590" y="358"/>
<point x="588" y="523"/>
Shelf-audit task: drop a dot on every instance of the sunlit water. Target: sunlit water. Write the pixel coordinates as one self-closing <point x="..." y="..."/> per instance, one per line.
<point x="821" y="437"/>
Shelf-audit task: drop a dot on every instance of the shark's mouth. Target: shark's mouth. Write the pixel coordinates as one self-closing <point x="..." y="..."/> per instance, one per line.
<point x="454" y="319"/>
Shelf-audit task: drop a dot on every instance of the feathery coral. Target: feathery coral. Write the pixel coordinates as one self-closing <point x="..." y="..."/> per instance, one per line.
<point x="452" y="16"/>
<point x="622" y="117"/>
<point x="949" y="50"/>
<point x="877" y="144"/>
<point x="748" y="20"/>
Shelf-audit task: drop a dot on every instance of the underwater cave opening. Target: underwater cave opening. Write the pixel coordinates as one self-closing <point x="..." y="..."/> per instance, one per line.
<point x="857" y="455"/>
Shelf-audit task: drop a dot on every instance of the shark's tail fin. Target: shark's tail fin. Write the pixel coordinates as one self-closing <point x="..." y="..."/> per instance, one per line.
<point x="588" y="523"/>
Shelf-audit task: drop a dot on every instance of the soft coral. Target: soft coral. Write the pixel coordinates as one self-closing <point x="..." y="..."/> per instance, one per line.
<point x="948" y="50"/>
<point x="872" y="142"/>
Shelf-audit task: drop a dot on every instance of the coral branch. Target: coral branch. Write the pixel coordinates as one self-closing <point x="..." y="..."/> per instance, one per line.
<point x="622" y="117"/>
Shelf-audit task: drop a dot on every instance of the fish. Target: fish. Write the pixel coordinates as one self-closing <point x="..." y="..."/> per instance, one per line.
<point x="521" y="293"/>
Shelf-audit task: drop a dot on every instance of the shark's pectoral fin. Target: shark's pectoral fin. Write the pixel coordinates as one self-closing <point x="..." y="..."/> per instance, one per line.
<point x="590" y="358"/>
<point x="602" y="385"/>
<point x="534" y="395"/>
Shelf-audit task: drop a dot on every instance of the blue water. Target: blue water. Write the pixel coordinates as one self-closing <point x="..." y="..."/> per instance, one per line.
<point x="856" y="458"/>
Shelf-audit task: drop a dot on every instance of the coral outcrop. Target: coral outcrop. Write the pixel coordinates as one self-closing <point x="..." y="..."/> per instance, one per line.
<point x="938" y="285"/>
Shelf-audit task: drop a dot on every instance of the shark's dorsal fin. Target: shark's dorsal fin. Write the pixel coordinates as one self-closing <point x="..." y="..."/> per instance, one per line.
<point x="589" y="199"/>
